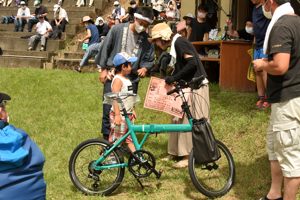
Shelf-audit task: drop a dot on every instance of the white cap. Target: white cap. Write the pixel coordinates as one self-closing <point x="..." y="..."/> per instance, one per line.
<point x="36" y="2"/>
<point x="22" y="3"/>
<point x="98" y="20"/>
<point x="116" y="3"/>
<point x="56" y="7"/>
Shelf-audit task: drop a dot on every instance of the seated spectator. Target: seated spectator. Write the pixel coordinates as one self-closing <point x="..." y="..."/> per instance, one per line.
<point x="188" y="21"/>
<point x="92" y="35"/>
<point x="22" y="17"/>
<point x="81" y="3"/>
<point x="102" y="27"/>
<point x="21" y="162"/>
<point x="60" y="18"/>
<point x="6" y="3"/>
<point x="158" y="6"/>
<point x="118" y="12"/>
<point x="172" y="12"/>
<point x="43" y="29"/>
<point x="129" y="17"/>
<point x="245" y="33"/>
<point x="39" y="10"/>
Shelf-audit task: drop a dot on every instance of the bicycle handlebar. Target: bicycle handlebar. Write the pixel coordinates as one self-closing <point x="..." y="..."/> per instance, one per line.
<point x="195" y="83"/>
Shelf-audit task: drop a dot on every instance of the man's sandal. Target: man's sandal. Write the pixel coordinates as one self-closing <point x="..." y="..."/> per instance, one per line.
<point x="266" y="198"/>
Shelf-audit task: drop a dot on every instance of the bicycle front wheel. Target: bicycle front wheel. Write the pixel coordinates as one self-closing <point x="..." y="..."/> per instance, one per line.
<point x="213" y="179"/>
<point x="89" y="180"/>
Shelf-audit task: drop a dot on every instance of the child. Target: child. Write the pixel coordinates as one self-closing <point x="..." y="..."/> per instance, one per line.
<point x="120" y="83"/>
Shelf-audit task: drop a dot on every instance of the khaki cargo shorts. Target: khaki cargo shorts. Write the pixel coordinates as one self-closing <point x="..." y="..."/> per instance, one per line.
<point x="283" y="136"/>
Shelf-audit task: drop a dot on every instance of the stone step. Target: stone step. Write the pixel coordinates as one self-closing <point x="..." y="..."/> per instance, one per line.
<point x="71" y="55"/>
<point x="13" y="34"/>
<point x="70" y="28"/>
<point x="7" y="43"/>
<point x="43" y="54"/>
<point x="22" y="61"/>
<point x="67" y="63"/>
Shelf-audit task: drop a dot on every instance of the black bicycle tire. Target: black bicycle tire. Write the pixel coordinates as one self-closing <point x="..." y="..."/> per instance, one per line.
<point x="229" y="182"/>
<point x="77" y="183"/>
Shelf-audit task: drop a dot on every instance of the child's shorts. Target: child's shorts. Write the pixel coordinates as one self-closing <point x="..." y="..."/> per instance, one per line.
<point x="117" y="132"/>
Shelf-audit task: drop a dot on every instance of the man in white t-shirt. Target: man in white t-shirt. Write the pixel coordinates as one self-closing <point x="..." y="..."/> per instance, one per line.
<point x="43" y="28"/>
<point x="118" y="12"/>
<point x="22" y="17"/>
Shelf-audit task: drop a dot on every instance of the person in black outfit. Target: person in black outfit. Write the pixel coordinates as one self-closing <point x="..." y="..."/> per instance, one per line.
<point x="200" y="28"/>
<point x="102" y="27"/>
<point x="187" y="66"/>
<point x="40" y="10"/>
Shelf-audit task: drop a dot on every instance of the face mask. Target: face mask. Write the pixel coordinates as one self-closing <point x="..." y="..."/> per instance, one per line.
<point x="249" y="30"/>
<point x="201" y="15"/>
<point x="267" y="14"/>
<point x="133" y="6"/>
<point x="101" y="23"/>
<point x="138" y="28"/>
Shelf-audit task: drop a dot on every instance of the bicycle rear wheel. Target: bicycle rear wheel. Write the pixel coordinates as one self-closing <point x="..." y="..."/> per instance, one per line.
<point x="89" y="180"/>
<point x="213" y="179"/>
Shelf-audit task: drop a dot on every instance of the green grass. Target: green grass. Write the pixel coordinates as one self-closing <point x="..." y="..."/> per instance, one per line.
<point x="60" y="109"/>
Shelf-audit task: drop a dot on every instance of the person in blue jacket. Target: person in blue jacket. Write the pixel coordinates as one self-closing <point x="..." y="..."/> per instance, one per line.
<point x="21" y="162"/>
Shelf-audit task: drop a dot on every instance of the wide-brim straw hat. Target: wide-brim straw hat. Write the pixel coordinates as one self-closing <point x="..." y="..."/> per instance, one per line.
<point x="161" y="30"/>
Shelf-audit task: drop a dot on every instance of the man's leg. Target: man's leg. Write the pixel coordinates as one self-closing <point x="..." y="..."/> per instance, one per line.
<point x="277" y="178"/>
<point x="43" y="42"/>
<point x="291" y="186"/>
<point x="31" y="22"/>
<point x="106" y="110"/>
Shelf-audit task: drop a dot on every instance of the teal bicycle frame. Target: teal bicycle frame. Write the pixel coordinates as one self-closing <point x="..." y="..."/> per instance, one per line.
<point x="148" y="129"/>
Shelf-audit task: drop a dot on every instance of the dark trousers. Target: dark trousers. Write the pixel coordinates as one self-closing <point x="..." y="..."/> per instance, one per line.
<point x="32" y="22"/>
<point x="62" y="25"/>
<point x="107" y="107"/>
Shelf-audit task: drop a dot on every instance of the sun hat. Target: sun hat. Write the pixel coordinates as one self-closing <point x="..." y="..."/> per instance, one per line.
<point x="189" y="15"/>
<point x="161" y="30"/>
<point x="56" y="7"/>
<point x="86" y="19"/>
<point x="116" y="3"/>
<point x="123" y="57"/>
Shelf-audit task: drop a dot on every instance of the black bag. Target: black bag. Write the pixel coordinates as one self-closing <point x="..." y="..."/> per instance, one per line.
<point x="205" y="147"/>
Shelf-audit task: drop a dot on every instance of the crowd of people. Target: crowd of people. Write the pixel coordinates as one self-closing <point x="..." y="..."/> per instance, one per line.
<point x="38" y="20"/>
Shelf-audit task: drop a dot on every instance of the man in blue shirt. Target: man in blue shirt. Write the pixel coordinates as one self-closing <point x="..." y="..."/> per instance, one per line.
<point x="21" y="162"/>
<point x="260" y="25"/>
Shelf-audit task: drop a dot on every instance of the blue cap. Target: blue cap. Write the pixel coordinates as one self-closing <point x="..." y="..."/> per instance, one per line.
<point x="123" y="57"/>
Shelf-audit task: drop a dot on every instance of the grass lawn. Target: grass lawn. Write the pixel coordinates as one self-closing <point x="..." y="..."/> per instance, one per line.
<point x="60" y="109"/>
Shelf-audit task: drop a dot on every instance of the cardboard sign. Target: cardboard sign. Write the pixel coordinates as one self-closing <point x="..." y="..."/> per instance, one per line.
<point x="157" y="98"/>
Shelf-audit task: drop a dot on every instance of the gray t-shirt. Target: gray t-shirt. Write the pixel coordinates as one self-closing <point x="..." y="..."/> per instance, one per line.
<point x="131" y="42"/>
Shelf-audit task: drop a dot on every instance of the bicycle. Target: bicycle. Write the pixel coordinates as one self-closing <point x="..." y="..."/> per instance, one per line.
<point x="103" y="172"/>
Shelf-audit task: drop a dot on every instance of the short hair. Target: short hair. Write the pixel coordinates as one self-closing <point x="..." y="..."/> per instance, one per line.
<point x="203" y="7"/>
<point x="280" y="2"/>
<point x="146" y="12"/>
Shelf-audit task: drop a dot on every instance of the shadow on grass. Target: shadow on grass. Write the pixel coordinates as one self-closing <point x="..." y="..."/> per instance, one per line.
<point x="252" y="180"/>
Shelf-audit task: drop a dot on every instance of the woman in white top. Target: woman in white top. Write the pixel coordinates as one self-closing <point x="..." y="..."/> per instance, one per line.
<point x="120" y="83"/>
